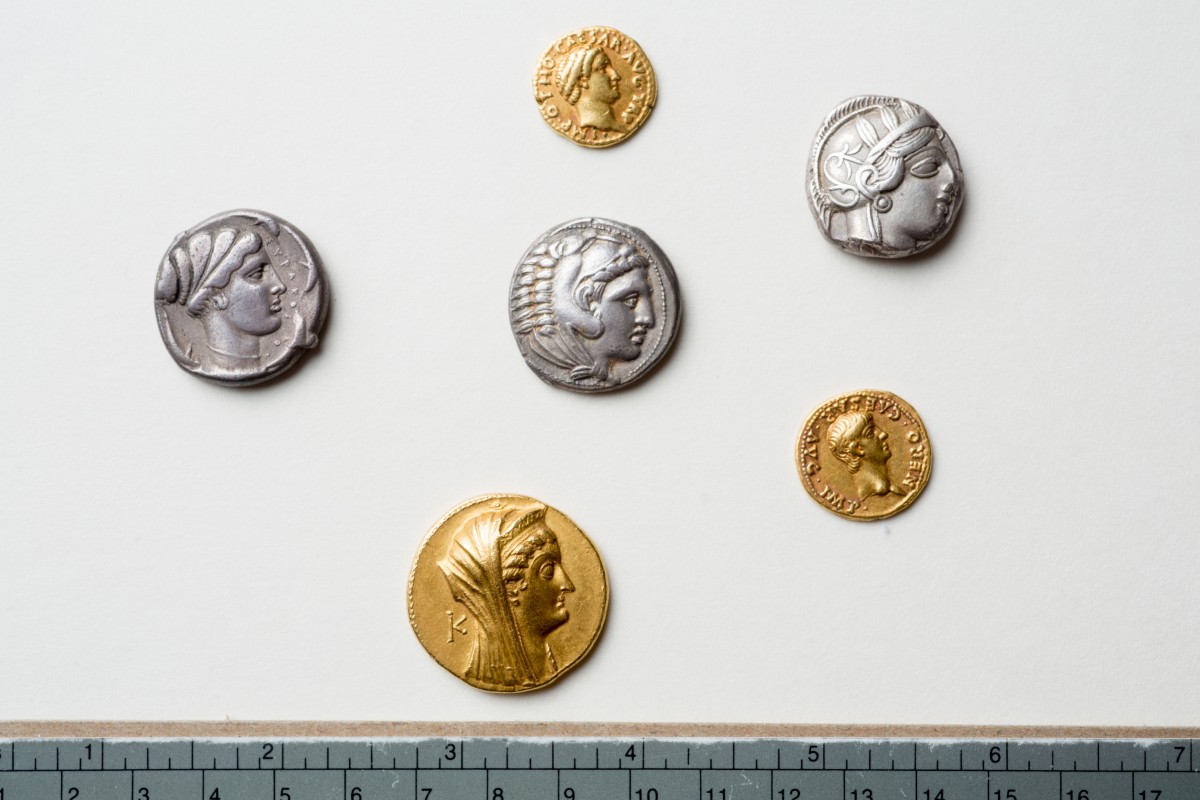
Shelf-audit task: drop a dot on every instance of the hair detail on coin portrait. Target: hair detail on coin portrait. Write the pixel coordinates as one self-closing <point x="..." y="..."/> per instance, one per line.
<point x="588" y="81"/>
<point x="884" y="178"/>
<point x="583" y="301"/>
<point x="595" y="86"/>
<point x="221" y="292"/>
<point x="862" y="448"/>
<point x="505" y="567"/>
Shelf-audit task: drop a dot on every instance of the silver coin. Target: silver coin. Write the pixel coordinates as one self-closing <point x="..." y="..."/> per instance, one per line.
<point x="884" y="178"/>
<point x="594" y="305"/>
<point x="239" y="297"/>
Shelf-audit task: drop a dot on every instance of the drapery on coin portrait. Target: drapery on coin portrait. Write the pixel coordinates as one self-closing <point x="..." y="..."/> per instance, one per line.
<point x="507" y="593"/>
<point x="506" y="568"/>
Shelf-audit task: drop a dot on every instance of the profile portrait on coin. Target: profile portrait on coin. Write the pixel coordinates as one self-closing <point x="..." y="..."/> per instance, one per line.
<point x="863" y="449"/>
<point x="221" y="293"/>
<point x="587" y="80"/>
<point x="595" y="86"/>
<point x="864" y="455"/>
<point x="507" y="593"/>
<point x="505" y="567"/>
<point x="584" y="301"/>
<point x="884" y="178"/>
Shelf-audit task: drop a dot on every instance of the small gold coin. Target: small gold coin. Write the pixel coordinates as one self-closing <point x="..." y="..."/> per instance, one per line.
<point x="864" y="455"/>
<point x="507" y="593"/>
<point x="595" y="86"/>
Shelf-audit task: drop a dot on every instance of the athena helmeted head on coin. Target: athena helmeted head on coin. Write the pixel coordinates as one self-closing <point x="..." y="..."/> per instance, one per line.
<point x="239" y="297"/>
<point x="884" y="178"/>
<point x="594" y="305"/>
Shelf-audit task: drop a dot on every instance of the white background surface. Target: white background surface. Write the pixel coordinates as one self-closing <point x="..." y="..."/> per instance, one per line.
<point x="176" y="550"/>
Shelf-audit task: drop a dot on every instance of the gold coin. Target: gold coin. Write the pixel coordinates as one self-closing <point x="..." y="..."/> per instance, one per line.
<point x="507" y="593"/>
<point x="864" y="455"/>
<point x="595" y="86"/>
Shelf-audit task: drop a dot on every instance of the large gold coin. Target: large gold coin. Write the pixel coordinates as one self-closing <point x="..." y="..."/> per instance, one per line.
<point x="507" y="593"/>
<point x="595" y="86"/>
<point x="864" y="455"/>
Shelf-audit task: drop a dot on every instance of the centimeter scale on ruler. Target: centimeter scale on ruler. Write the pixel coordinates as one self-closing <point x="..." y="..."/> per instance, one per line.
<point x="599" y="769"/>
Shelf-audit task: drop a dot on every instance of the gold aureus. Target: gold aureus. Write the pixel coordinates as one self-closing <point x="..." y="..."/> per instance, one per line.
<point x="507" y="593"/>
<point x="864" y="455"/>
<point x="595" y="86"/>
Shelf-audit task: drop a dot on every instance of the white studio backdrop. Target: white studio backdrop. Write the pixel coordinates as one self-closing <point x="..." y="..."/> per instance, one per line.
<point x="171" y="549"/>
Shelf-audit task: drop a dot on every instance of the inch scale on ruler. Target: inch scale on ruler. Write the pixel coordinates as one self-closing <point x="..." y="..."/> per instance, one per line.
<point x="626" y="768"/>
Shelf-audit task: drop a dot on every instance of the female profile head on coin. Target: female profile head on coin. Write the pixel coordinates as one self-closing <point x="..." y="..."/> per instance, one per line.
<point x="239" y="297"/>
<point x="595" y="86"/>
<point x="492" y="596"/>
<point x="594" y="305"/>
<point x="845" y="455"/>
<point x="884" y="178"/>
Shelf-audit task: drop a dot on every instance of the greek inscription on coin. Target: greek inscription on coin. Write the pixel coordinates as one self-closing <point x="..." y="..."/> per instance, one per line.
<point x="884" y="178"/>
<point x="239" y="297"/>
<point x="864" y="455"/>
<point x="594" y="305"/>
<point x="595" y="86"/>
<point x="507" y="593"/>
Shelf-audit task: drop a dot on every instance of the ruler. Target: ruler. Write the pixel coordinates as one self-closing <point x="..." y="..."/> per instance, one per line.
<point x="609" y="768"/>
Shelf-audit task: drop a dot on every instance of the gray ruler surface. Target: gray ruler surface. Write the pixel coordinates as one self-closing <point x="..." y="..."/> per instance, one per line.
<point x="483" y="768"/>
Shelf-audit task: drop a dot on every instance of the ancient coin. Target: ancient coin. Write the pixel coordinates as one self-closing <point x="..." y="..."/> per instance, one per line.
<point x="594" y="305"/>
<point x="884" y="178"/>
<point x="864" y="455"/>
<point x="595" y="86"/>
<point x="507" y="593"/>
<point x="239" y="297"/>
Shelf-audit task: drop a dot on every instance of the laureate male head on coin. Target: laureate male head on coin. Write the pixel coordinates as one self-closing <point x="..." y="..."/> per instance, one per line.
<point x="595" y="86"/>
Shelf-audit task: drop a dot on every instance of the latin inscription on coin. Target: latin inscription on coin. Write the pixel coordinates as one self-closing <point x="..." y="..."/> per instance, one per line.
<point x="594" y="305"/>
<point x="507" y="593"/>
<point x="884" y="178"/>
<point x="864" y="455"/>
<point x="239" y="297"/>
<point x="595" y="86"/>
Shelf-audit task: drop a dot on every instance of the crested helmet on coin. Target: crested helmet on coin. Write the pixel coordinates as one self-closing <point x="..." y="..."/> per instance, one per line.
<point x="884" y="178"/>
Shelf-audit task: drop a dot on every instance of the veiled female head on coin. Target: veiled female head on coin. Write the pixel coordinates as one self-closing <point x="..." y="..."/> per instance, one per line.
<point x="884" y="178"/>
<point x="587" y="80"/>
<point x="505" y="567"/>
<point x="220" y="293"/>
<point x="863" y="450"/>
<point x="588" y="297"/>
